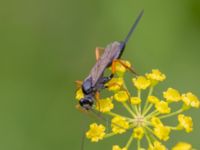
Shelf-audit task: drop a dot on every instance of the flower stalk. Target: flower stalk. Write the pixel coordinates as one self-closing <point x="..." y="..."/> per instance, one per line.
<point x="144" y="122"/>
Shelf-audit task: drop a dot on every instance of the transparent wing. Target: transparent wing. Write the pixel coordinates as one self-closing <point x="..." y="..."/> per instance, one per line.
<point x="104" y="61"/>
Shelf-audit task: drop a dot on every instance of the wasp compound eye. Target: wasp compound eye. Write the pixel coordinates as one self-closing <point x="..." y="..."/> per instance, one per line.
<point x="86" y="102"/>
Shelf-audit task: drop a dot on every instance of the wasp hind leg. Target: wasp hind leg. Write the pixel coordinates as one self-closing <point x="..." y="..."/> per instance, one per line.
<point x="114" y="63"/>
<point x="98" y="52"/>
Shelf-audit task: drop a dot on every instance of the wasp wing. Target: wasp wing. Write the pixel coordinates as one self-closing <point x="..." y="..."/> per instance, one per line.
<point x="104" y="61"/>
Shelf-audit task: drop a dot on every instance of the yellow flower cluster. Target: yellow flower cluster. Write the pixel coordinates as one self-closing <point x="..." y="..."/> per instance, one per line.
<point x="104" y="105"/>
<point x="146" y="112"/>
<point x="96" y="132"/>
<point x="116" y="147"/>
<point x="157" y="146"/>
<point x="119" y="125"/>
<point x="182" y="146"/>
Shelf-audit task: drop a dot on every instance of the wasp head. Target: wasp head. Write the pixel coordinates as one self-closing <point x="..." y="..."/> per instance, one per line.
<point x="87" y="102"/>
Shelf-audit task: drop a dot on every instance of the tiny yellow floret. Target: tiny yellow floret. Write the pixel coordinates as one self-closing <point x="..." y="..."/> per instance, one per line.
<point x="121" y="68"/>
<point x="153" y="99"/>
<point x="172" y="95"/>
<point x="162" y="132"/>
<point x="155" y="121"/>
<point x="182" y="146"/>
<point x="116" y="147"/>
<point x="115" y="84"/>
<point x="157" y="146"/>
<point x="79" y="94"/>
<point x="185" y="122"/>
<point x="119" y="125"/>
<point x="121" y="96"/>
<point x="138" y="133"/>
<point x="135" y="100"/>
<point x="162" y="107"/>
<point x="104" y="105"/>
<point x="141" y="82"/>
<point x="155" y="76"/>
<point x="191" y="100"/>
<point x="96" y="132"/>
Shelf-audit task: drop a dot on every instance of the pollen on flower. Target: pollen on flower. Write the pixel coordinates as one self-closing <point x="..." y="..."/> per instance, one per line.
<point x="79" y="94"/>
<point x="121" y="96"/>
<point x="153" y="99"/>
<point x="156" y="76"/>
<point x="96" y="132"/>
<point x="157" y="146"/>
<point x="115" y="84"/>
<point x="120" y="67"/>
<point x="135" y="100"/>
<point x="191" y="100"/>
<point x="155" y="121"/>
<point x="141" y="82"/>
<point x="172" y="95"/>
<point x="104" y="105"/>
<point x="138" y="133"/>
<point x="116" y="147"/>
<point x="119" y="125"/>
<point x="163" y="107"/>
<point x="182" y="146"/>
<point x="185" y="122"/>
<point x="162" y="132"/>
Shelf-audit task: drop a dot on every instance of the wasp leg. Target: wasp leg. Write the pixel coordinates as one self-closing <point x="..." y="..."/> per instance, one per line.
<point x="97" y="97"/>
<point x="103" y="81"/>
<point x="79" y="108"/>
<point x="78" y="83"/>
<point x="114" y="62"/>
<point x="98" y="52"/>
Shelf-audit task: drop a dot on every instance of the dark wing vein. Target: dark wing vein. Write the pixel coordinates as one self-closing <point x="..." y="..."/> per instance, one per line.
<point x="104" y="61"/>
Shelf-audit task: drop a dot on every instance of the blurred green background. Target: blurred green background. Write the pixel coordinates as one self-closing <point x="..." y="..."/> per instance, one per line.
<point x="47" y="45"/>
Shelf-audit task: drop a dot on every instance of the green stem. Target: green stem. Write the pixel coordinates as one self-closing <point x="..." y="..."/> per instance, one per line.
<point x="152" y="114"/>
<point x="148" y="138"/>
<point x="173" y="128"/>
<point x="139" y="96"/>
<point x="147" y="110"/>
<point x="133" y="107"/>
<point x="129" y="142"/>
<point x="149" y="94"/>
<point x="171" y="114"/>
<point x="128" y="109"/>
<point x="110" y="135"/>
<point x="150" y="130"/>
<point x="138" y="145"/>
<point x="117" y="115"/>
<point x="151" y="133"/>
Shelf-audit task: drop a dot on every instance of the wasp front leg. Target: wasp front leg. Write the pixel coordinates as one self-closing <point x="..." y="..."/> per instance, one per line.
<point x="123" y="63"/>
<point x="78" y="83"/>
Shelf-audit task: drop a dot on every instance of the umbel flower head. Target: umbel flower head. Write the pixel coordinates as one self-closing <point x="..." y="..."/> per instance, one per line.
<point x="146" y="113"/>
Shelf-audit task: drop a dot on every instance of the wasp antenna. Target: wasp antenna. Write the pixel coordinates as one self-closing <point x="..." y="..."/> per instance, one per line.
<point x="134" y="26"/>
